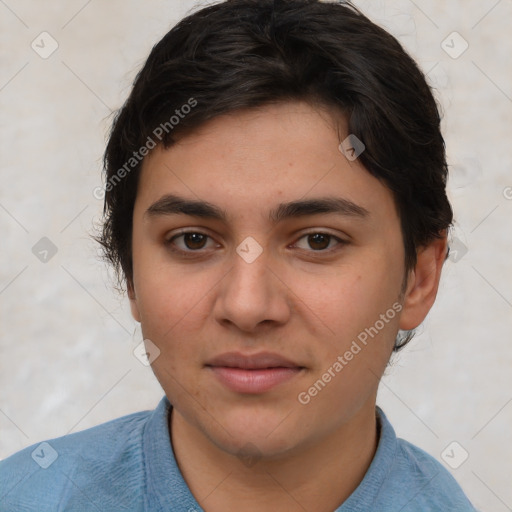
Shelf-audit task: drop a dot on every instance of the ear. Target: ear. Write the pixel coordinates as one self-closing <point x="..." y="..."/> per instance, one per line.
<point x="423" y="283"/>
<point x="133" y="301"/>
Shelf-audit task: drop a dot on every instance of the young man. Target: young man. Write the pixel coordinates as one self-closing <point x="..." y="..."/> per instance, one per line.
<point x="275" y="203"/>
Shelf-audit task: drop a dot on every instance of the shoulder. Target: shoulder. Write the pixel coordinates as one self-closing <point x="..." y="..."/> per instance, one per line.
<point x="79" y="469"/>
<point x="433" y="485"/>
<point x="418" y="481"/>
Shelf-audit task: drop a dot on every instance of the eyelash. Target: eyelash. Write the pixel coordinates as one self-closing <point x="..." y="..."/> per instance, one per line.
<point x="194" y="253"/>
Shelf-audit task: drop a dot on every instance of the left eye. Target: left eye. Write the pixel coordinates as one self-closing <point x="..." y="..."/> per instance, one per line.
<point x="319" y="241"/>
<point x="195" y="241"/>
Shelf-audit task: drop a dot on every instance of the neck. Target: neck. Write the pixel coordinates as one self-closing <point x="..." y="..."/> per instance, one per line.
<point x="317" y="477"/>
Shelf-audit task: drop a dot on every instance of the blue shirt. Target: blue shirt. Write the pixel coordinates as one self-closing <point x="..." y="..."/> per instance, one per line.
<point x="128" y="465"/>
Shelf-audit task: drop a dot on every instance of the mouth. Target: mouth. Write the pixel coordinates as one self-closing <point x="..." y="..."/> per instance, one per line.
<point x="253" y="374"/>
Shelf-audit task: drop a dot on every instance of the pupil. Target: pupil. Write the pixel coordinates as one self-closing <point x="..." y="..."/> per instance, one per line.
<point x="194" y="240"/>
<point x="318" y="239"/>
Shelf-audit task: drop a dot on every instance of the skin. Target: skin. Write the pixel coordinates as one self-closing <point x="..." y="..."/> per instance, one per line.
<point x="307" y="305"/>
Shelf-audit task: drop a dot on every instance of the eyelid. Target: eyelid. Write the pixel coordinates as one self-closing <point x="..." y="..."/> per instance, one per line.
<point x="169" y="240"/>
<point x="185" y="231"/>
<point x="318" y="231"/>
<point x="340" y="241"/>
<point x="323" y="231"/>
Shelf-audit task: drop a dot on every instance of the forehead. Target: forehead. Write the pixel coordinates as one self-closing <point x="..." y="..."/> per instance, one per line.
<point x="251" y="161"/>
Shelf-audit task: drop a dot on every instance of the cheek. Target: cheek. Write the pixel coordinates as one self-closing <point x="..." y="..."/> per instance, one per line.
<point x="163" y="298"/>
<point x="356" y="304"/>
<point x="175" y="304"/>
<point x="353" y="296"/>
<point x="173" y="311"/>
<point x="169" y="304"/>
<point x="164" y="291"/>
<point x="358" y="309"/>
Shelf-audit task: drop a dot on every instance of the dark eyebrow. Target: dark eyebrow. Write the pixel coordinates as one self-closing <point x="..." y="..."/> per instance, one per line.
<point x="317" y="206"/>
<point x="171" y="204"/>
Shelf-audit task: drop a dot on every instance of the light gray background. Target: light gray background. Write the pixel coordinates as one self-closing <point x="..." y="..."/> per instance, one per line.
<point x="67" y="338"/>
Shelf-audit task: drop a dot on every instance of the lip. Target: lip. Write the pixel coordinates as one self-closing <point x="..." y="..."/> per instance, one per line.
<point x="257" y="361"/>
<point x="254" y="373"/>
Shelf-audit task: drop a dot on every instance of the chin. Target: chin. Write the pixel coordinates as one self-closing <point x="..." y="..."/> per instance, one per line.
<point x="257" y="445"/>
<point x="257" y="432"/>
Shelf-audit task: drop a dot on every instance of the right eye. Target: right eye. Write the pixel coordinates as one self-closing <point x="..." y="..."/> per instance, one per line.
<point x="189" y="242"/>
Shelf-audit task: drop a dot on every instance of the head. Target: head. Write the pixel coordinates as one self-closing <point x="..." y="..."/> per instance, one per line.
<point x="232" y="134"/>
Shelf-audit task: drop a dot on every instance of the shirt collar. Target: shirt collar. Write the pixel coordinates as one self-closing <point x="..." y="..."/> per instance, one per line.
<point x="165" y="486"/>
<point x="362" y="499"/>
<point x="167" y="490"/>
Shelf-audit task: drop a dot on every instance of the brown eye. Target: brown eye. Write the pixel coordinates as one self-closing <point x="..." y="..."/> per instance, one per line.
<point x="319" y="241"/>
<point x="188" y="243"/>
<point x="194" y="240"/>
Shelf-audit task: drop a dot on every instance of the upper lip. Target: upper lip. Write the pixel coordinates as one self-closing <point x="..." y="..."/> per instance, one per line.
<point x="251" y="362"/>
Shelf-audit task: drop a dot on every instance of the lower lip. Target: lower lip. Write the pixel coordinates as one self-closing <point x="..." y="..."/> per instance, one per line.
<point x="253" y="381"/>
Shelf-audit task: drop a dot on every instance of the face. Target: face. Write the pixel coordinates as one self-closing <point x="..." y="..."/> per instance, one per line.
<point x="261" y="258"/>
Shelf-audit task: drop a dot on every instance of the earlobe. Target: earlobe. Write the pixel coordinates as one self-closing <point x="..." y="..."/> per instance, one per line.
<point x="133" y="302"/>
<point x="423" y="283"/>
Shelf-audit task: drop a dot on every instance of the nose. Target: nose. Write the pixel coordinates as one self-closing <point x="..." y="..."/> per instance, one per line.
<point x="252" y="295"/>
